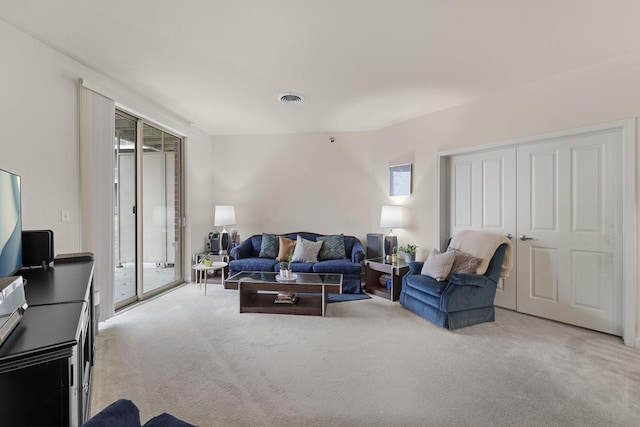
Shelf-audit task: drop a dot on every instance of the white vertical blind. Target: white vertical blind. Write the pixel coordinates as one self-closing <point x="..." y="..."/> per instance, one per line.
<point x="97" y="125"/>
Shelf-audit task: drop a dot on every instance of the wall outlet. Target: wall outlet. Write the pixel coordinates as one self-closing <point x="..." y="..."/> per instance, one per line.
<point x="65" y="216"/>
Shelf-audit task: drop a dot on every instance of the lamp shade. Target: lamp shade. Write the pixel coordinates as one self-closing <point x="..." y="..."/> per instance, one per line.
<point x="392" y="217"/>
<point x="224" y="215"/>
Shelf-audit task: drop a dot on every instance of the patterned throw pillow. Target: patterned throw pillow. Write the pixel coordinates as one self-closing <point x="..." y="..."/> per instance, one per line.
<point x="287" y="246"/>
<point x="464" y="262"/>
<point x="438" y="265"/>
<point x="332" y="247"/>
<point x="306" y="250"/>
<point x="269" y="247"/>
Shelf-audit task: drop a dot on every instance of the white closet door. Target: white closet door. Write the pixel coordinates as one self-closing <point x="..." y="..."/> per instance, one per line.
<point x="483" y="197"/>
<point x="569" y="210"/>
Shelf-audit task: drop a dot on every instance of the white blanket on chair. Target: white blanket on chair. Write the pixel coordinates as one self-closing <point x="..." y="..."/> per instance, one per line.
<point x="482" y="244"/>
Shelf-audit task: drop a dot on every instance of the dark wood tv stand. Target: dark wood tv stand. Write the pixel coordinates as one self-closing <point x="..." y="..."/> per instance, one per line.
<point x="46" y="363"/>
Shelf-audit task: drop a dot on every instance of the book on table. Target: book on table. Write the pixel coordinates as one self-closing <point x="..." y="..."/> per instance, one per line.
<point x="286" y="298"/>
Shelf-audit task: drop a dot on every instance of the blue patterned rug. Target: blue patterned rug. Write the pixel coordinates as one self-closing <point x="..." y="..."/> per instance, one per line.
<point x="347" y="297"/>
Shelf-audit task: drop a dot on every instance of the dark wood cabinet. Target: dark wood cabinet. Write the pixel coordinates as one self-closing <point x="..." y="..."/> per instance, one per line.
<point x="46" y="363"/>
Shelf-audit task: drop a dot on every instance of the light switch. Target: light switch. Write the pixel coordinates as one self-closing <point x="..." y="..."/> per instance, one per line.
<point x="65" y="216"/>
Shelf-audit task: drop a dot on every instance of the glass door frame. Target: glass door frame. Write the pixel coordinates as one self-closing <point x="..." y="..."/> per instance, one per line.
<point x="140" y="295"/>
<point x="135" y="297"/>
<point x="178" y="265"/>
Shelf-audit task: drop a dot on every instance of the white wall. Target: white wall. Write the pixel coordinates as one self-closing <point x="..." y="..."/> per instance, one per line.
<point x="39" y="119"/>
<point x="289" y="183"/>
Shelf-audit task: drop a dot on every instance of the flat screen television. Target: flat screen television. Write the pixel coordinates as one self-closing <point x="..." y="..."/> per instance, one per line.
<point x="10" y="224"/>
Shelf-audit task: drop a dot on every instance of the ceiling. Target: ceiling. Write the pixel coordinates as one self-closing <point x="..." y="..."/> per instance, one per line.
<point x="361" y="64"/>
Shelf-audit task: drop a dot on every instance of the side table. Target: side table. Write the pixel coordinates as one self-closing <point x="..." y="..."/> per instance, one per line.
<point x="213" y="257"/>
<point x="201" y="270"/>
<point x="376" y="267"/>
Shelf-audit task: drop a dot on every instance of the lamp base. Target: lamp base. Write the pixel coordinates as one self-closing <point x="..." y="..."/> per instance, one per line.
<point x="390" y="242"/>
<point x="225" y="242"/>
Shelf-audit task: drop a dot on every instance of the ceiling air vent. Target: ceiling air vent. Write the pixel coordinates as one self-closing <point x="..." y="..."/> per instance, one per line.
<point x="291" y="98"/>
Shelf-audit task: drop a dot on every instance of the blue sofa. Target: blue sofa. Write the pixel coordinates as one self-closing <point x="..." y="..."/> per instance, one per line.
<point x="245" y="258"/>
<point x="463" y="300"/>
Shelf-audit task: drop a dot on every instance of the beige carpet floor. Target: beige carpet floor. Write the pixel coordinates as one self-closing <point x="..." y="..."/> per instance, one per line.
<point x="370" y="363"/>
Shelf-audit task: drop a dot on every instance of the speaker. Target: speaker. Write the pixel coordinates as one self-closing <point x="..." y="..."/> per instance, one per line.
<point x="374" y="245"/>
<point x="214" y="242"/>
<point x="37" y="248"/>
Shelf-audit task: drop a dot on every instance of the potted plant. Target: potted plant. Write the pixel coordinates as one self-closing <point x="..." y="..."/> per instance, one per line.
<point x="409" y="252"/>
<point x="285" y="267"/>
<point x="206" y="261"/>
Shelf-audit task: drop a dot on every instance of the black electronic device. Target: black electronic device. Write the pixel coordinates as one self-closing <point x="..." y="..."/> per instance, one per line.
<point x="73" y="257"/>
<point x="375" y="245"/>
<point x="214" y="242"/>
<point x="37" y="248"/>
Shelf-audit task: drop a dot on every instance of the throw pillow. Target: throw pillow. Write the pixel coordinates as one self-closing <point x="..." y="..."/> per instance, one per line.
<point x="306" y="250"/>
<point x="332" y="247"/>
<point x="464" y="262"/>
<point x="269" y="246"/>
<point x="438" y="265"/>
<point x="287" y="246"/>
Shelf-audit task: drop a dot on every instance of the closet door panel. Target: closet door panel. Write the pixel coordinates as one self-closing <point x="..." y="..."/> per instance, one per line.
<point x="568" y="211"/>
<point x="483" y="197"/>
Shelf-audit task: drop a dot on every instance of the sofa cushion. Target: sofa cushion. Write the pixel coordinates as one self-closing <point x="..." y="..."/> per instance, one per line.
<point x="426" y="284"/>
<point x="340" y="266"/>
<point x="269" y="246"/>
<point x="463" y="263"/>
<point x="332" y="247"/>
<point x="438" y="265"/>
<point x="302" y="267"/>
<point x="306" y="250"/>
<point x="121" y="413"/>
<point x="166" y="420"/>
<point x="287" y="246"/>
<point x="252" y="264"/>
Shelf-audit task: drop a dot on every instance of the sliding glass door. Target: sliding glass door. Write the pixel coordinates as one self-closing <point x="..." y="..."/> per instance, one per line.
<point x="147" y="211"/>
<point x="161" y="208"/>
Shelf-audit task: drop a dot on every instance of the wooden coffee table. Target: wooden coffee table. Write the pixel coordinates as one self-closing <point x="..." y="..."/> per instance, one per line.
<point x="258" y="291"/>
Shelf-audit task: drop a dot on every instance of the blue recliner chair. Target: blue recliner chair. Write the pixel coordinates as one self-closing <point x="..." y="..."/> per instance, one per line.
<point x="463" y="300"/>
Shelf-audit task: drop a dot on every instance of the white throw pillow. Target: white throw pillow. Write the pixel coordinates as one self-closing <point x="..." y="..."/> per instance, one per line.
<point x="438" y="265"/>
<point x="306" y="250"/>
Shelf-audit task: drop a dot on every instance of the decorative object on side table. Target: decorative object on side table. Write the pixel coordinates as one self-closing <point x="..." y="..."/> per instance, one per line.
<point x="394" y="256"/>
<point x="391" y="217"/>
<point x="409" y="252"/>
<point x="206" y="261"/>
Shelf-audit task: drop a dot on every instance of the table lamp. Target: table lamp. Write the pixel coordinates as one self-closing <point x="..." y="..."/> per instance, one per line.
<point x="223" y="216"/>
<point x="391" y="217"/>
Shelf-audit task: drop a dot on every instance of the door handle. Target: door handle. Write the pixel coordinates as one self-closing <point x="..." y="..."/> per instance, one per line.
<point x="509" y="236"/>
<point x="524" y="237"/>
